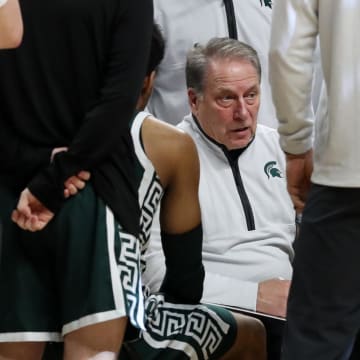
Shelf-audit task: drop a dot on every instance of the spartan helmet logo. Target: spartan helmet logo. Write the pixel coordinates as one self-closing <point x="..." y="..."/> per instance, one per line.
<point x="267" y="3"/>
<point x="270" y="169"/>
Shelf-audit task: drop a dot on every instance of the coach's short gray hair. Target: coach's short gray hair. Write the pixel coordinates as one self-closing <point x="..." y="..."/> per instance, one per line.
<point x="199" y="57"/>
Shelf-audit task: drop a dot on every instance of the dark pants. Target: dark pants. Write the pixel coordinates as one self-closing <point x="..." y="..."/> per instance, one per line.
<point x="355" y="355"/>
<point x="324" y="302"/>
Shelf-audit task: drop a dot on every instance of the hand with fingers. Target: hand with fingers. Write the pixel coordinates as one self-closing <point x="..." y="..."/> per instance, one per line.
<point x="30" y="214"/>
<point x="272" y="296"/>
<point x="74" y="183"/>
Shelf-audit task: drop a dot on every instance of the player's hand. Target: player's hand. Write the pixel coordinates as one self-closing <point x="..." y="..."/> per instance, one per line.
<point x="76" y="183"/>
<point x="272" y="297"/>
<point x="30" y="214"/>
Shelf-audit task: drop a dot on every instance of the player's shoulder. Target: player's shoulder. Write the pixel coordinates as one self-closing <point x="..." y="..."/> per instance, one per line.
<point x="166" y="137"/>
<point x="170" y="149"/>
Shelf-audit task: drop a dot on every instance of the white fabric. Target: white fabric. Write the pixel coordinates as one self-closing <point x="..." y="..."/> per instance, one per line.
<point x="337" y="128"/>
<point x="142" y="158"/>
<point x="186" y="22"/>
<point x="150" y="189"/>
<point x="236" y="259"/>
<point x="3" y="2"/>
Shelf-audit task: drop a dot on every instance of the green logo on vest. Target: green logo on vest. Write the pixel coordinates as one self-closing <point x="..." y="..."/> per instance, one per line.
<point x="267" y="3"/>
<point x="271" y="170"/>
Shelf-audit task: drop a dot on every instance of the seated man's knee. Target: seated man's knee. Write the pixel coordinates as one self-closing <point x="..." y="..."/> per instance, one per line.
<point x="254" y="328"/>
<point x="250" y="342"/>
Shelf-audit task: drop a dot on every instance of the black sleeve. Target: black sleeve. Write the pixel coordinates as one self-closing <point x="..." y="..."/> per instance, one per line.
<point x="110" y="117"/>
<point x="184" y="277"/>
<point x="21" y="158"/>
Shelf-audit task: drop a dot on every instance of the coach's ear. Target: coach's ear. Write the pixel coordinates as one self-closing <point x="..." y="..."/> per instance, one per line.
<point x="146" y="90"/>
<point x="193" y="100"/>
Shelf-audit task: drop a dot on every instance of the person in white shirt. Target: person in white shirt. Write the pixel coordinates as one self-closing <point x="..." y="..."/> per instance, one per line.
<point x="11" y="25"/>
<point x="247" y="215"/>
<point x="187" y="22"/>
<point x="324" y="303"/>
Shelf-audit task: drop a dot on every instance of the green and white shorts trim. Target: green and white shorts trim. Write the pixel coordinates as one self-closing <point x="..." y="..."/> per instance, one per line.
<point x="80" y="270"/>
<point x="177" y="331"/>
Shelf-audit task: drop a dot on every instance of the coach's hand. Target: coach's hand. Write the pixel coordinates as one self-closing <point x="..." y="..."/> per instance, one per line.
<point x="30" y="214"/>
<point x="272" y="297"/>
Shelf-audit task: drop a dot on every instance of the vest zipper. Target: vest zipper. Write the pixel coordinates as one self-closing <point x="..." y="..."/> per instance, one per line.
<point x="242" y="193"/>
<point x="231" y="21"/>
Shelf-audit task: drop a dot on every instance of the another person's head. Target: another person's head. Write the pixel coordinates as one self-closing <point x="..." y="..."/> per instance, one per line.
<point x="157" y="51"/>
<point x="223" y="81"/>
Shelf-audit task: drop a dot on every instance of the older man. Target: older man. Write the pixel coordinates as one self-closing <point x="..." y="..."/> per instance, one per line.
<point x="245" y="20"/>
<point x="247" y="214"/>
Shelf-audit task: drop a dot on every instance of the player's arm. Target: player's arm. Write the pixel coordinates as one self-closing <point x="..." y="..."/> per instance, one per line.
<point x="177" y="164"/>
<point x="11" y="25"/>
<point x="180" y="209"/>
<point x="181" y="232"/>
<point x="174" y="156"/>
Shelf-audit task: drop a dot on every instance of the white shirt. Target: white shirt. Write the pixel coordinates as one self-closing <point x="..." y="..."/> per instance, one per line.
<point x="237" y="259"/>
<point x="296" y="24"/>
<point x="186" y="22"/>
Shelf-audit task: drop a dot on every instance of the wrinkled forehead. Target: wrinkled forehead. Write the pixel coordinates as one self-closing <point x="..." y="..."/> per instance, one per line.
<point x="233" y="71"/>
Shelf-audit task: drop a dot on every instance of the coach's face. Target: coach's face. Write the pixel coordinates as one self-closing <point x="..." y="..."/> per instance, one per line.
<point x="227" y="110"/>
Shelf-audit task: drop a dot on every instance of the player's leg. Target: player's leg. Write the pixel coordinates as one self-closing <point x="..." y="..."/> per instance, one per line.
<point x="99" y="341"/>
<point x="178" y="332"/>
<point x="250" y="342"/>
<point x="21" y="350"/>
<point x="99" y="277"/>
